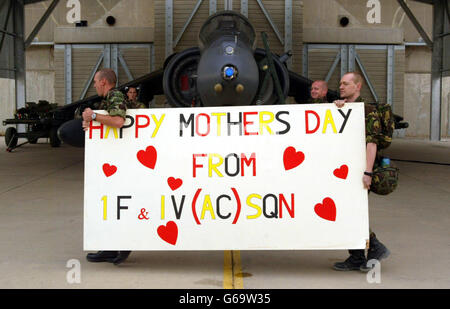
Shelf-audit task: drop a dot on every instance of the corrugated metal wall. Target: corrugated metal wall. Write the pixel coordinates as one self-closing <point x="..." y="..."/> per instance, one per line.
<point x="84" y="57"/>
<point x="374" y="59"/>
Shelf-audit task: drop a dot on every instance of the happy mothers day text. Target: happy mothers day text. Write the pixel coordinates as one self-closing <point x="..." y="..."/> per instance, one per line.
<point x="226" y="206"/>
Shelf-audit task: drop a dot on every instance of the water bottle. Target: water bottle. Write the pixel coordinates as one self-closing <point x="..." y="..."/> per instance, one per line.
<point x="385" y="162"/>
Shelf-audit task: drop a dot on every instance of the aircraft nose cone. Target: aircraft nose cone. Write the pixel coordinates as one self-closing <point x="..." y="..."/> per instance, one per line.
<point x="229" y="72"/>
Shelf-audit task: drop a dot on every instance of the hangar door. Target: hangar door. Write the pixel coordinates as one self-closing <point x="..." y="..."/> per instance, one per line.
<point x="76" y="64"/>
<point x="382" y="66"/>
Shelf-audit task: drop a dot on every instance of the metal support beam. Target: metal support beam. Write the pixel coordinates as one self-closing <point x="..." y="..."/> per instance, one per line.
<point x="169" y="27"/>
<point x="126" y="69"/>
<point x="244" y="7"/>
<point x="366" y="77"/>
<point x="107" y="56"/>
<point x="228" y="5"/>
<point x="91" y="77"/>
<point x="186" y="24"/>
<point x="351" y="58"/>
<point x="446" y="42"/>
<point x="68" y="72"/>
<point x="333" y="67"/>
<point x="390" y="74"/>
<point x="425" y="1"/>
<point x="288" y="29"/>
<point x="19" y="53"/>
<point x="114" y="61"/>
<point x="416" y="23"/>
<point x="344" y="59"/>
<point x="212" y="7"/>
<point x="7" y="32"/>
<point x="272" y="24"/>
<point x="305" y="60"/>
<point x="5" y="27"/>
<point x="436" y="70"/>
<point x="152" y="66"/>
<point x="41" y="22"/>
<point x="152" y="57"/>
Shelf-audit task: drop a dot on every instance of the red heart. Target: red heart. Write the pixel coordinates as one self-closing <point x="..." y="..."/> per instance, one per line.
<point x="341" y="172"/>
<point x="109" y="170"/>
<point x="169" y="232"/>
<point x="148" y="157"/>
<point x="174" y="183"/>
<point x="327" y="210"/>
<point x="292" y="158"/>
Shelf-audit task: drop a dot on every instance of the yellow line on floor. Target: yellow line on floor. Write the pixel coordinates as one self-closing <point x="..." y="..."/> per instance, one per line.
<point x="237" y="270"/>
<point x="227" y="270"/>
<point x="232" y="270"/>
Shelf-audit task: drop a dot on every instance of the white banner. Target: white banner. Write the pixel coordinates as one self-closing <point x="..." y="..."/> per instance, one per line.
<point x="228" y="178"/>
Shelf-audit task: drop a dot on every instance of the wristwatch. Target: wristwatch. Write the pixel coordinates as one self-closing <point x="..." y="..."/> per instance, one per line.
<point x="94" y="115"/>
<point x="368" y="174"/>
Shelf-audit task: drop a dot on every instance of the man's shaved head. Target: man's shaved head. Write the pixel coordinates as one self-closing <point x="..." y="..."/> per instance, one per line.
<point x="109" y="75"/>
<point x="319" y="89"/>
<point x="350" y="86"/>
<point x="104" y="80"/>
<point x="357" y="78"/>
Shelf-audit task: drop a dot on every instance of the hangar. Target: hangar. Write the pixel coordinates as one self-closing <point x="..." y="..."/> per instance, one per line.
<point x="395" y="52"/>
<point x="401" y="47"/>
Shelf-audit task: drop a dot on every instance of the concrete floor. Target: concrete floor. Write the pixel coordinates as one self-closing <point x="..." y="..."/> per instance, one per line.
<point x="41" y="226"/>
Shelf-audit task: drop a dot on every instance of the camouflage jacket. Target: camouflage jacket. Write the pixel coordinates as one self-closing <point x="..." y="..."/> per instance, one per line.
<point x="316" y="101"/>
<point x="133" y="105"/>
<point x="374" y="132"/>
<point x="114" y="104"/>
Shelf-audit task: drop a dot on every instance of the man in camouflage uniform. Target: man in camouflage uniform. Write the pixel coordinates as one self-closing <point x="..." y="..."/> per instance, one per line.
<point x="115" y="104"/>
<point x="350" y="90"/>
<point x="319" y="90"/>
<point x="132" y="101"/>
